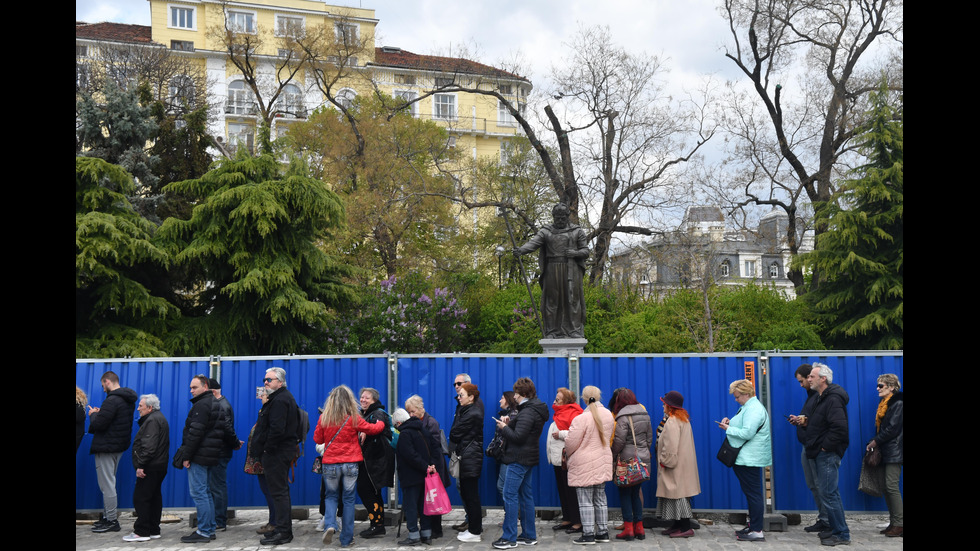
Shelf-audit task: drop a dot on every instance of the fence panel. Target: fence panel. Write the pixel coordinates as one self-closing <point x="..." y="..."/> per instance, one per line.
<point x="857" y="373"/>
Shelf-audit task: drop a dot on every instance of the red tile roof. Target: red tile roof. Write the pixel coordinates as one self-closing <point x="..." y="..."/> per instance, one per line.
<point x="113" y="32"/>
<point x="394" y="57"/>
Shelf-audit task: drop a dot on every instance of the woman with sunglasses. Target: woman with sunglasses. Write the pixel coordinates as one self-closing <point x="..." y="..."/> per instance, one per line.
<point x="889" y="420"/>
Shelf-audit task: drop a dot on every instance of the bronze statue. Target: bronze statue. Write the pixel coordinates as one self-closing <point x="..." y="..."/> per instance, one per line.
<point x="562" y="250"/>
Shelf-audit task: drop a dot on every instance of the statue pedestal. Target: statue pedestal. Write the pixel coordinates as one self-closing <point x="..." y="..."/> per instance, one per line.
<point x="563" y="347"/>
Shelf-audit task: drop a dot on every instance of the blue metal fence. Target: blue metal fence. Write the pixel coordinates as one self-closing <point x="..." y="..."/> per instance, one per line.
<point x="702" y="379"/>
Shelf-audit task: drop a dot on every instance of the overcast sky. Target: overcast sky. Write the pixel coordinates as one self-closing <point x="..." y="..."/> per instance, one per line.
<point x="689" y="34"/>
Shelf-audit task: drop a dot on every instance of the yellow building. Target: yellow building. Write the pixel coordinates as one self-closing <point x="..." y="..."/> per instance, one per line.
<point x="271" y="35"/>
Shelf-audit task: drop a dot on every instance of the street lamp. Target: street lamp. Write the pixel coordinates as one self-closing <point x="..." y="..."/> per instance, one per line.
<point x="500" y="255"/>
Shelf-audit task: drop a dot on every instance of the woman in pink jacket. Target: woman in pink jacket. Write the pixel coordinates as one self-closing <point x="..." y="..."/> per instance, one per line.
<point x="590" y="465"/>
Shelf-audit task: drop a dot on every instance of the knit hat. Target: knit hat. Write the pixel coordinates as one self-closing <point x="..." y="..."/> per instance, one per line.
<point x="674" y="399"/>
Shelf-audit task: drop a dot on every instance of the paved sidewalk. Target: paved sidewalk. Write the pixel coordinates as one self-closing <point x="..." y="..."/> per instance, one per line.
<point x="241" y="536"/>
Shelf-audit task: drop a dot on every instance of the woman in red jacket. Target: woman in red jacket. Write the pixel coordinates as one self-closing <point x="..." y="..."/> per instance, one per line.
<point x="337" y="431"/>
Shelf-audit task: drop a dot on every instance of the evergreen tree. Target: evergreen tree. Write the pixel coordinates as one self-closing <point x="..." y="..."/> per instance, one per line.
<point x="115" y="313"/>
<point x="181" y="145"/>
<point x="261" y="282"/>
<point x="859" y="260"/>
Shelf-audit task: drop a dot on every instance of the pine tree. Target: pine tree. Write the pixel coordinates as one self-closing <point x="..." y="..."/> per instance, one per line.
<point x="260" y="281"/>
<point x="116" y="315"/>
<point x="859" y="260"/>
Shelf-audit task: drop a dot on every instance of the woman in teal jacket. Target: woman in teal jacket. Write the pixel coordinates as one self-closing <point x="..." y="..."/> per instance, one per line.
<point x="750" y="431"/>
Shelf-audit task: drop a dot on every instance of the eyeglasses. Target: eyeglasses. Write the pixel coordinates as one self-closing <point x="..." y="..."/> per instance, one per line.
<point x="881" y="385"/>
<point x="457" y="384"/>
<point x="268" y="379"/>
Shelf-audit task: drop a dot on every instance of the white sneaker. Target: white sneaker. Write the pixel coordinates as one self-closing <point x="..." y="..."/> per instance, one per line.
<point x="883" y="526"/>
<point x="319" y="525"/>
<point x="136" y="537"/>
<point x="466" y="536"/>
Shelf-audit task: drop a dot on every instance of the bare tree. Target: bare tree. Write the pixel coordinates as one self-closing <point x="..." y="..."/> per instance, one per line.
<point x="270" y="79"/>
<point x="790" y="151"/>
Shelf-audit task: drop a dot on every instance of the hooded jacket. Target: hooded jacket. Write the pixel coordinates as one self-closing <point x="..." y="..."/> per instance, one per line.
<point x="417" y="449"/>
<point x="379" y="455"/>
<point x="523" y="433"/>
<point x="826" y="427"/>
<point x="151" y="447"/>
<point x="204" y="439"/>
<point x="112" y="425"/>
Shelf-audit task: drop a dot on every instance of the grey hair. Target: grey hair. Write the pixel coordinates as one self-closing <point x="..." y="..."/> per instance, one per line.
<point x="375" y="395"/>
<point x="400" y="416"/>
<point x="280" y="374"/>
<point x="466" y="377"/>
<point x="825" y="371"/>
<point x="152" y="401"/>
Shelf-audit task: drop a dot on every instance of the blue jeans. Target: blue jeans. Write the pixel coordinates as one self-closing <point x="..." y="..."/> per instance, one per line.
<point x="518" y="499"/>
<point x="811" y="482"/>
<point x="750" y="478"/>
<point x="827" y="468"/>
<point x="629" y="500"/>
<point x="218" y="481"/>
<point x="412" y="503"/>
<point x="197" y="479"/>
<point x="335" y="477"/>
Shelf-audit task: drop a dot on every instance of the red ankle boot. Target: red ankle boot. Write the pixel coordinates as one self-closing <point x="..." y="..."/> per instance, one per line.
<point x="627" y="533"/>
<point x="638" y="530"/>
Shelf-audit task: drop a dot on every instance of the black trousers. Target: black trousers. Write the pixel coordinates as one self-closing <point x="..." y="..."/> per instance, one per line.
<point x="370" y="497"/>
<point x="469" y="490"/>
<point x="148" y="502"/>
<point x="277" y="477"/>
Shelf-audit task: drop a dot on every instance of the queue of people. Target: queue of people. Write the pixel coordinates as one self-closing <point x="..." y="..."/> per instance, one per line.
<point x="360" y="447"/>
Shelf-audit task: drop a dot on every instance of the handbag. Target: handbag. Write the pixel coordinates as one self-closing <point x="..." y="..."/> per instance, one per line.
<point x="873" y="457"/>
<point x="318" y="460"/>
<point x="436" y="498"/>
<point x="495" y="449"/>
<point x="253" y="466"/>
<point x="454" y="465"/>
<point x="632" y="471"/>
<point x="872" y="479"/>
<point x="728" y="453"/>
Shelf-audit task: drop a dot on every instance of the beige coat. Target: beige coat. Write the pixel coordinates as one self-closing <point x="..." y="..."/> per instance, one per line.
<point x="677" y="468"/>
<point x="589" y="456"/>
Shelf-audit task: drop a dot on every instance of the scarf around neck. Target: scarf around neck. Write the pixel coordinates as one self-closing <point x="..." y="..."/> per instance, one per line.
<point x="565" y="413"/>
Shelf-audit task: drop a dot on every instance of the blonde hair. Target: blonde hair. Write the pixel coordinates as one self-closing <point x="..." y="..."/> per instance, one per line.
<point x="742" y="386"/>
<point x="889" y="379"/>
<point x="80" y="397"/>
<point x="593" y="399"/>
<point x="339" y="406"/>
<point x="415" y="402"/>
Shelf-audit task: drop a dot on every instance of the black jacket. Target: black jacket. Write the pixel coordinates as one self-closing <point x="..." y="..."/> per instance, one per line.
<point x="379" y="456"/>
<point x="417" y="449"/>
<point x="523" y="434"/>
<point x="229" y="426"/>
<point x="151" y="447"/>
<point x="889" y="437"/>
<point x="811" y="400"/>
<point x="466" y="438"/>
<point x="112" y="425"/>
<point x="827" y="424"/>
<point x="275" y="431"/>
<point x="204" y="439"/>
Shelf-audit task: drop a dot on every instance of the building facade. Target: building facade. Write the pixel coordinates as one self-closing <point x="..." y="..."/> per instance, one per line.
<point x="273" y="60"/>
<point x="702" y="251"/>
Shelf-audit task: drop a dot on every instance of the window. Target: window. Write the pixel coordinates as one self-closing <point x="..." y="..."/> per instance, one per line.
<point x="290" y="25"/>
<point x="405" y="79"/>
<point x="443" y="81"/>
<point x="346" y="98"/>
<point x="774" y="270"/>
<point x="725" y="269"/>
<point x="241" y="22"/>
<point x="505" y="89"/>
<point x="182" y="17"/>
<point x="182" y="45"/>
<point x="291" y="101"/>
<point x="444" y="107"/>
<point x="346" y="33"/>
<point x="81" y="51"/>
<point x="241" y="135"/>
<point x="81" y="76"/>
<point x="239" y="99"/>
<point x="408" y="96"/>
<point x="504" y="118"/>
<point x="350" y="61"/>
<point x="504" y="153"/>
<point x="451" y="142"/>
<point x="182" y="91"/>
<point x="122" y="75"/>
<point x="749" y="266"/>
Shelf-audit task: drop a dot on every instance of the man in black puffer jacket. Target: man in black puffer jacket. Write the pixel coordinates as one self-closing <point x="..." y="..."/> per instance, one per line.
<point x="522" y="434"/>
<point x="112" y="428"/>
<point x="204" y="442"/>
